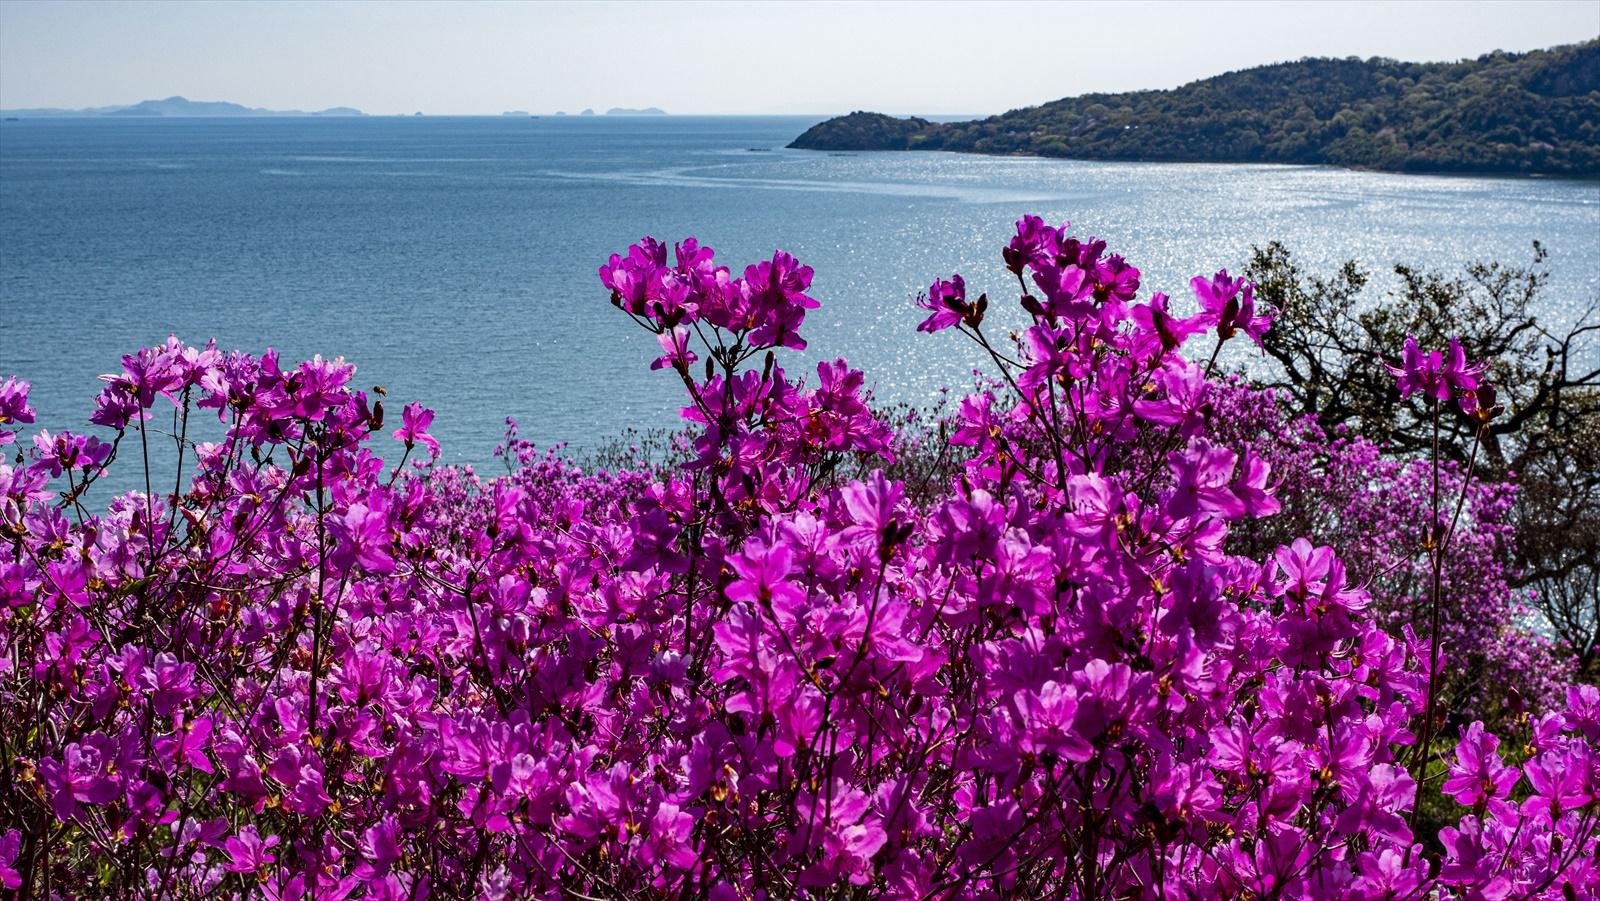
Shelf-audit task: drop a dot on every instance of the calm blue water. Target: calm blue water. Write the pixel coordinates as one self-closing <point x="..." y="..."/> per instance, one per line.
<point x="453" y="260"/>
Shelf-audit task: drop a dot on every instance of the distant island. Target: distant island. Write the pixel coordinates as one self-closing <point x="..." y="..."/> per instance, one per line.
<point x="587" y="112"/>
<point x="624" y="111"/>
<point x="516" y="112"/>
<point x="1532" y="113"/>
<point x="177" y="107"/>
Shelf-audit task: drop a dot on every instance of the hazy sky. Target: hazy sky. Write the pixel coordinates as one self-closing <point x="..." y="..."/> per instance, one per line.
<point x="702" y="57"/>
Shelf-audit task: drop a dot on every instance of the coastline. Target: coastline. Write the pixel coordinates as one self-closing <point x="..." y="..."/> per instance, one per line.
<point x="1376" y="170"/>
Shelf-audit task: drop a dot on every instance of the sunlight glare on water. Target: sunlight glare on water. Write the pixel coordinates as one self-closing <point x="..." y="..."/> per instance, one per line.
<point x="453" y="260"/>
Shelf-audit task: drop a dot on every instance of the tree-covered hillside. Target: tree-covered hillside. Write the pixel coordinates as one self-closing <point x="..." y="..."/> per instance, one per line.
<point x="1532" y="113"/>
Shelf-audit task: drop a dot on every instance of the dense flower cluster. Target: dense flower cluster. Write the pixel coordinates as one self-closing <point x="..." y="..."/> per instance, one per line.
<point x="1340" y="489"/>
<point x="765" y="674"/>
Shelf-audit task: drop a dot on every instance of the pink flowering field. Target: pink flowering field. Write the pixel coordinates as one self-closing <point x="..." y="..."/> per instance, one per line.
<point x="1115" y="625"/>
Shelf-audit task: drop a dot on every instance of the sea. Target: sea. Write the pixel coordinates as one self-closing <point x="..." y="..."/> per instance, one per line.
<point x="453" y="260"/>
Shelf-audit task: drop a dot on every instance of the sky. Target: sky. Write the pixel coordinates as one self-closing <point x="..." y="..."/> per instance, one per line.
<point x="775" y="57"/>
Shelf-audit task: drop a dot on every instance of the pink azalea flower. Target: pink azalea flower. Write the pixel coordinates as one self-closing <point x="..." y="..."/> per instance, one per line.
<point x="415" y="420"/>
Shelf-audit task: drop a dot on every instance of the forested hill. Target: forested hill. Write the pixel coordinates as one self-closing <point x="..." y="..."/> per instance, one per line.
<point x="1529" y="113"/>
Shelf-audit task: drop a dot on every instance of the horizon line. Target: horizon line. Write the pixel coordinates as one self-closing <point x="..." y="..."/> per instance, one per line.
<point x="87" y="113"/>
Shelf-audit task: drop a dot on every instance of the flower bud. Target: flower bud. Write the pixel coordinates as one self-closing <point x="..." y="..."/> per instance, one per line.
<point x="1014" y="259"/>
<point x="1483" y="403"/>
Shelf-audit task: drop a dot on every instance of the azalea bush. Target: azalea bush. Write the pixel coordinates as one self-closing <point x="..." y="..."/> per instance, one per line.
<point x="1338" y="487"/>
<point x="1325" y="356"/>
<point x="1061" y="662"/>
